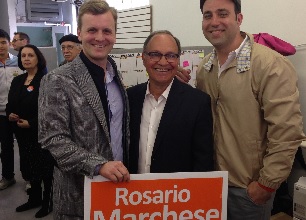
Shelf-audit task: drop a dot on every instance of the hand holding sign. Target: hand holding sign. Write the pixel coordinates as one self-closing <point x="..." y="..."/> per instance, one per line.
<point x="115" y="171"/>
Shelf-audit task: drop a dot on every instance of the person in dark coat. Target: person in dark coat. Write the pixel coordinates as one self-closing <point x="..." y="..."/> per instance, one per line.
<point x="22" y="110"/>
<point x="170" y="122"/>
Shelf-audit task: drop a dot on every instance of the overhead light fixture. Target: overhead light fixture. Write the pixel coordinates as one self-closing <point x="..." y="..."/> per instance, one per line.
<point x="78" y="2"/>
<point x="59" y="0"/>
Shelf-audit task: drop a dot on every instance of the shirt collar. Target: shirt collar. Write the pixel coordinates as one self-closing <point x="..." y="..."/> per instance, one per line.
<point x="92" y="67"/>
<point x="241" y="45"/>
<point x="110" y="74"/>
<point x="11" y="56"/>
<point x="243" y="56"/>
<point x="165" y="94"/>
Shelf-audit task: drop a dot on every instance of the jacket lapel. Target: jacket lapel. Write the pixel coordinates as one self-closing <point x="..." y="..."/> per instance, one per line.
<point x="171" y="109"/>
<point x="90" y="92"/>
<point x="139" y="103"/>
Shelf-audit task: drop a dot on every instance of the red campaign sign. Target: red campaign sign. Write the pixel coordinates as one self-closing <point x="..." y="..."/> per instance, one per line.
<point x="172" y="196"/>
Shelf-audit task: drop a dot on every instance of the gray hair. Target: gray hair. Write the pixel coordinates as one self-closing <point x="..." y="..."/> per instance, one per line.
<point x="162" y="32"/>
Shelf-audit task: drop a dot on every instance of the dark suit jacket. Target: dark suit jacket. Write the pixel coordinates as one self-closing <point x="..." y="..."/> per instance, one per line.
<point x="184" y="140"/>
<point x="25" y="105"/>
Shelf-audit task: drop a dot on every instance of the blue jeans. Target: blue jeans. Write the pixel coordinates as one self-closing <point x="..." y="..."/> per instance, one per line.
<point x="7" y="148"/>
<point x="241" y="207"/>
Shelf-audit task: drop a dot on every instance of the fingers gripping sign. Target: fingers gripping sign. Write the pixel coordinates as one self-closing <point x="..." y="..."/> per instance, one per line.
<point x="115" y="171"/>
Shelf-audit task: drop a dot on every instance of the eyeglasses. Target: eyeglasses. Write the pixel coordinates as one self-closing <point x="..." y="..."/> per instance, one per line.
<point x="69" y="47"/>
<point x="14" y="40"/>
<point x="156" y="56"/>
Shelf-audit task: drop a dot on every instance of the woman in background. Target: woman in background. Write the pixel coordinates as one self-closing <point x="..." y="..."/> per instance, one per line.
<point x="22" y="110"/>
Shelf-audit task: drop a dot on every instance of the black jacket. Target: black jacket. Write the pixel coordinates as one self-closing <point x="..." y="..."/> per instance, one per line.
<point x="25" y="104"/>
<point x="184" y="141"/>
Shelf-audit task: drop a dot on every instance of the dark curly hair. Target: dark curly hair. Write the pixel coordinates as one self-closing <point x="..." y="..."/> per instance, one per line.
<point x="41" y="64"/>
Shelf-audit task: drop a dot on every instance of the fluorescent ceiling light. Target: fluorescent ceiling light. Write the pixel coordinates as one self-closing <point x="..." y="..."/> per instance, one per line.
<point x="59" y="0"/>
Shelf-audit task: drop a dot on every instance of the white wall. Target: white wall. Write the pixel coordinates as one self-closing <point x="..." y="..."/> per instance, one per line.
<point x="4" y="24"/>
<point x="12" y="16"/>
<point x="8" y="16"/>
<point x="284" y="19"/>
<point x="299" y="62"/>
<point x="182" y="17"/>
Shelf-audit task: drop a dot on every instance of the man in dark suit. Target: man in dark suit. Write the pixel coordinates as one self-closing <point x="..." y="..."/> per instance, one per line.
<point x="170" y="122"/>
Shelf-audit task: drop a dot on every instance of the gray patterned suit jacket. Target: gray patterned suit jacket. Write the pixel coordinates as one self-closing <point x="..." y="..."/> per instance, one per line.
<point x="73" y="127"/>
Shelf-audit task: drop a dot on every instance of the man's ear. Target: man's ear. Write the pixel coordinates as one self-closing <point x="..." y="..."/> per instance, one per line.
<point x="142" y="55"/>
<point x="79" y="34"/>
<point x="239" y="19"/>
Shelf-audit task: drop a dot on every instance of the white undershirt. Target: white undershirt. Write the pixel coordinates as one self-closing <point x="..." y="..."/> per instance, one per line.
<point x="231" y="56"/>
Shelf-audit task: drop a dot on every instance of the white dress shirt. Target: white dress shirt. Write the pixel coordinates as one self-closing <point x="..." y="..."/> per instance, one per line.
<point x="151" y="114"/>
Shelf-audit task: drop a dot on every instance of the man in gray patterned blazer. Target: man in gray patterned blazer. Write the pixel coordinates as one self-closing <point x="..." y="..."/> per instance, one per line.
<point x="83" y="113"/>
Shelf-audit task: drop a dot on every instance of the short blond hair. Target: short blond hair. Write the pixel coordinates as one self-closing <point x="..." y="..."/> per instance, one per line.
<point x="96" y="7"/>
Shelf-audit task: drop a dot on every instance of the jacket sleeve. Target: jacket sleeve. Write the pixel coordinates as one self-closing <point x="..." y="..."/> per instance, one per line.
<point x="11" y="97"/>
<point x="57" y="132"/>
<point x="279" y="98"/>
<point x="202" y="142"/>
<point x="33" y="119"/>
<point x="33" y="122"/>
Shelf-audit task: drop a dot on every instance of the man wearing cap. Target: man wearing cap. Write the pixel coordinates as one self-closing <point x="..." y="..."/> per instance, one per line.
<point x="70" y="46"/>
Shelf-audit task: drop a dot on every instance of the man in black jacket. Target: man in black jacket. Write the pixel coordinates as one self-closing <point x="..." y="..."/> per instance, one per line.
<point x="170" y="122"/>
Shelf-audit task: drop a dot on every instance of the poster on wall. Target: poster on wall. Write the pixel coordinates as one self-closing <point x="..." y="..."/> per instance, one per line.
<point x="190" y="59"/>
<point x="173" y="196"/>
